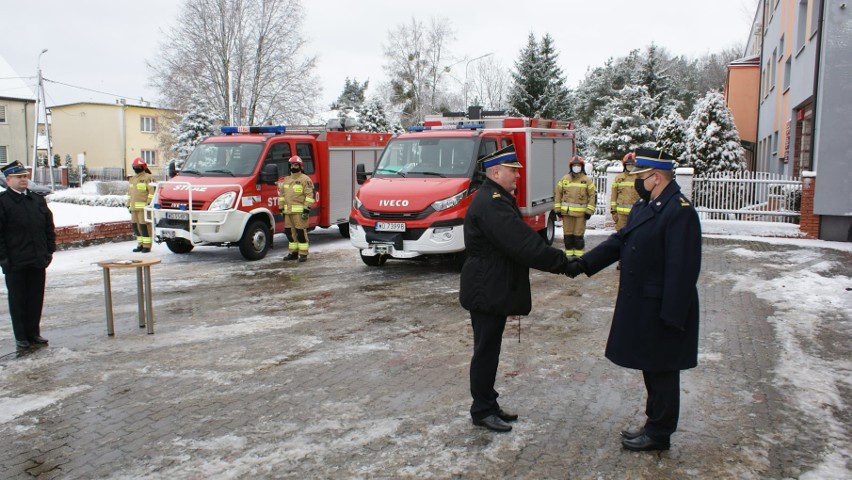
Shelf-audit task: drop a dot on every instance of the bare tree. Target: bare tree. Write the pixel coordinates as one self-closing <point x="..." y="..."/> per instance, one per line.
<point x="415" y="57"/>
<point x="244" y="57"/>
<point x="489" y="84"/>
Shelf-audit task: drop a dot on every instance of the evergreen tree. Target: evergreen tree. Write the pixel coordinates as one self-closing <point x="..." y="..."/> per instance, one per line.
<point x="623" y="124"/>
<point x="670" y="134"/>
<point x="374" y="119"/>
<point x="198" y="124"/>
<point x="712" y="141"/>
<point x="352" y="94"/>
<point x="538" y="88"/>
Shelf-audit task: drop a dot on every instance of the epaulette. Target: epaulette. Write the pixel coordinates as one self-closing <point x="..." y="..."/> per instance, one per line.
<point x="683" y="201"/>
<point x="495" y="195"/>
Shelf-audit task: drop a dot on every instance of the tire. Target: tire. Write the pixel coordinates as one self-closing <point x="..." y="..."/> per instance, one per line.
<point x="549" y="232"/>
<point x="374" y="261"/>
<point x="256" y="240"/>
<point x="344" y="229"/>
<point x="180" y="246"/>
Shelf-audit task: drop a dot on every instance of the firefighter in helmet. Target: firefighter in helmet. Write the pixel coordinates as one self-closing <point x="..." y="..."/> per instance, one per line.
<point x="624" y="193"/>
<point x="575" y="200"/>
<point x="140" y="192"/>
<point x="295" y="198"/>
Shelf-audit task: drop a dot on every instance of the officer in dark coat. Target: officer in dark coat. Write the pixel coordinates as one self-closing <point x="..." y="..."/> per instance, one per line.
<point x="655" y="324"/>
<point x="27" y="243"/>
<point x="495" y="279"/>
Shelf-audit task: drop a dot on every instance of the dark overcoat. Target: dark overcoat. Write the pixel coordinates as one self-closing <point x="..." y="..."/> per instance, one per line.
<point x="655" y="323"/>
<point x="27" y="236"/>
<point x="501" y="248"/>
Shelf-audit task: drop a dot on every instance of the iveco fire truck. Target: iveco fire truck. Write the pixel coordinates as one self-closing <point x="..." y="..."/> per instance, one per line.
<point x="226" y="194"/>
<point x="413" y="205"/>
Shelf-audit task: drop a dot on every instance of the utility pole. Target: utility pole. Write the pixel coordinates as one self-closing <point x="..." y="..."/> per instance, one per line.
<point x="40" y="98"/>
<point x="465" y="75"/>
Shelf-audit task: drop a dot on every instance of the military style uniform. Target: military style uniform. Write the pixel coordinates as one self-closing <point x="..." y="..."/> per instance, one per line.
<point x="295" y="198"/>
<point x="495" y="282"/>
<point x="623" y="197"/>
<point x="140" y="193"/>
<point x="575" y="200"/>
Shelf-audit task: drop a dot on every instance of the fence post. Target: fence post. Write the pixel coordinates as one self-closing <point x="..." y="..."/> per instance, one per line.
<point x="683" y="176"/>
<point x="808" y="221"/>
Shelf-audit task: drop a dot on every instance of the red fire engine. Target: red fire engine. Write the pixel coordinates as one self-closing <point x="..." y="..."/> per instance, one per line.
<point x="226" y="194"/>
<point x="414" y="203"/>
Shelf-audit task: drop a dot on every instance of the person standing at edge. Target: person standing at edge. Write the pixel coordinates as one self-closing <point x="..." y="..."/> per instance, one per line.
<point x="27" y="243"/>
<point x="624" y="193"/>
<point x="495" y="281"/>
<point x="655" y="323"/>
<point x="295" y="197"/>
<point x="575" y="200"/>
<point x="140" y="192"/>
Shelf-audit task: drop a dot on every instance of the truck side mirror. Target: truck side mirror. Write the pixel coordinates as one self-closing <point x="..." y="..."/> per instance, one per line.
<point x="172" y="169"/>
<point x="360" y="173"/>
<point x="269" y="174"/>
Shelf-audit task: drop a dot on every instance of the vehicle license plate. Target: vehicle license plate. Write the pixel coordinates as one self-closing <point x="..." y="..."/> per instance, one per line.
<point x="177" y="216"/>
<point x="167" y="234"/>
<point x="390" y="227"/>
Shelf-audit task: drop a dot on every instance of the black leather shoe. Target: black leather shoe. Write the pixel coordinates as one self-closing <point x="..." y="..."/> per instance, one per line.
<point x="137" y="249"/>
<point x="303" y="258"/>
<point x="493" y="423"/>
<point x="292" y="256"/>
<point x="145" y="250"/>
<point x="506" y="416"/>
<point x="631" y="434"/>
<point x="39" y="340"/>
<point x="22" y="344"/>
<point x="644" y="443"/>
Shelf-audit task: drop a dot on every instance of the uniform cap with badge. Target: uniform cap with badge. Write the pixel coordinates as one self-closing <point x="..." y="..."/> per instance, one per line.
<point x="505" y="156"/>
<point x="650" y="159"/>
<point x="15" y="168"/>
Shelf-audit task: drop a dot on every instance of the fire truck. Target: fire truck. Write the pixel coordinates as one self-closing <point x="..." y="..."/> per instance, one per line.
<point x="413" y="204"/>
<point x="226" y="192"/>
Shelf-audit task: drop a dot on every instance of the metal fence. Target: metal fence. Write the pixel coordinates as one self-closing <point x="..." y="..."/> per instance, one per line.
<point x="748" y="196"/>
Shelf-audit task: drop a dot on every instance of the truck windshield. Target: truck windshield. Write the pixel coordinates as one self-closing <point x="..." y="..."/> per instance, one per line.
<point x="226" y="159"/>
<point x="424" y="157"/>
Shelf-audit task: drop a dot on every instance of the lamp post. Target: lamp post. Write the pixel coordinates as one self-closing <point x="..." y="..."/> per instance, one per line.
<point x="466" y="65"/>
<point x="35" y="112"/>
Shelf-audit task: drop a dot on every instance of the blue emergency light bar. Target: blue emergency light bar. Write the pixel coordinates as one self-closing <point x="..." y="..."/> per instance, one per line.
<point x="461" y="126"/>
<point x="261" y="129"/>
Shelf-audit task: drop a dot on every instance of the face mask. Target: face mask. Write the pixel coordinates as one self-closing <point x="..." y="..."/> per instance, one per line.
<point x="137" y="169"/>
<point x="630" y="168"/>
<point x="294" y="169"/>
<point x="644" y="194"/>
<point x="577" y="169"/>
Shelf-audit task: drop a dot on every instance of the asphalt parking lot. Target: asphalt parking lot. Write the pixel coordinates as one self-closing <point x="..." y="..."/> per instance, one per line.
<point x="332" y="369"/>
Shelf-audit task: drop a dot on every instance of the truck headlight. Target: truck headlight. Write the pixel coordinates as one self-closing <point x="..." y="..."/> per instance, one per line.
<point x="449" y="202"/>
<point x="356" y="203"/>
<point x="223" y="202"/>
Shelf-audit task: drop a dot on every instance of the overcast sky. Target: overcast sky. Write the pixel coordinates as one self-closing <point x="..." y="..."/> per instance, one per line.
<point x="103" y="45"/>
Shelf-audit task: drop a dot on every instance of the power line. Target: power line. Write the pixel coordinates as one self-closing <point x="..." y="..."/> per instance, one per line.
<point x="130" y="97"/>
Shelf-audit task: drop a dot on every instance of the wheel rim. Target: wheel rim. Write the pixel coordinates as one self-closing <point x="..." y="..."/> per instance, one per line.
<point x="258" y="240"/>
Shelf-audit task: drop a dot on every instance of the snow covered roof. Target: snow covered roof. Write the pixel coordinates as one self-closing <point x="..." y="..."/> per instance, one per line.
<point x="12" y="85"/>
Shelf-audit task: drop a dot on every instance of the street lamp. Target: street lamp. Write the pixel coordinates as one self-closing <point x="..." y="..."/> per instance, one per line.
<point x="466" y="65"/>
<point x="35" y="111"/>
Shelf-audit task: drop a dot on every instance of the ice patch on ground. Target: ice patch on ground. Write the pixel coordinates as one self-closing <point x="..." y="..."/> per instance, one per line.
<point x="14" y="407"/>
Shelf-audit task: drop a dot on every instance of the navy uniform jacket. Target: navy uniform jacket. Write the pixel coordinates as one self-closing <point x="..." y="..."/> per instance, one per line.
<point x="27" y="236"/>
<point x="655" y="323"/>
<point x="500" y="249"/>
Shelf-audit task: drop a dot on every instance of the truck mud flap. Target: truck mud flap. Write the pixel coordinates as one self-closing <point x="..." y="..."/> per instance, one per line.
<point x="394" y="239"/>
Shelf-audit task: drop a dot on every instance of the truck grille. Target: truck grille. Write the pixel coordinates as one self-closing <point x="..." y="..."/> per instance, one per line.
<point x="176" y="204"/>
<point x="396" y="215"/>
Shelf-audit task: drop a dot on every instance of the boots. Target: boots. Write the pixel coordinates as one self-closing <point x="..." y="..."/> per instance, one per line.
<point x="303" y="258"/>
<point x="292" y="256"/>
<point x="579" y="245"/>
<point x="138" y="248"/>
<point x="569" y="245"/>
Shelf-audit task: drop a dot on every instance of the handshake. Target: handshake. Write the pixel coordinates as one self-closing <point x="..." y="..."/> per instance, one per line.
<point x="575" y="266"/>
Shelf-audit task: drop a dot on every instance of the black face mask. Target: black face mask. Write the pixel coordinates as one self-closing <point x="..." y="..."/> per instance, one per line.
<point x="295" y="169"/>
<point x="639" y="185"/>
<point x="138" y="169"/>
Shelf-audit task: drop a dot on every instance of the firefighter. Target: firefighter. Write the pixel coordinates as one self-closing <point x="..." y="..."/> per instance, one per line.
<point x="140" y="192"/>
<point x="295" y="197"/>
<point x="575" y="201"/>
<point x="624" y="193"/>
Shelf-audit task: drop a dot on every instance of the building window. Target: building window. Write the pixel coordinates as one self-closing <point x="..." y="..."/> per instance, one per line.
<point x="775" y="144"/>
<point x="801" y="24"/>
<point x="150" y="157"/>
<point x="2" y="113"/>
<point x="781" y="48"/>
<point x="3" y="156"/>
<point x="802" y="149"/>
<point x="773" y="69"/>
<point x="149" y="124"/>
<point x="788" y="66"/>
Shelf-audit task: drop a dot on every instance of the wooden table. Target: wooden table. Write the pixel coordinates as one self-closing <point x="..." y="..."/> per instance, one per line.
<point x="143" y="290"/>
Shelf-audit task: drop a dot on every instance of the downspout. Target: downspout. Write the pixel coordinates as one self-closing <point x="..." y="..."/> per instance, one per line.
<point x="817" y="63"/>
<point x="757" y="140"/>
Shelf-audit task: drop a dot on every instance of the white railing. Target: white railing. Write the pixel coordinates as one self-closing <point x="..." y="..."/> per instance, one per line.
<point x="748" y="196"/>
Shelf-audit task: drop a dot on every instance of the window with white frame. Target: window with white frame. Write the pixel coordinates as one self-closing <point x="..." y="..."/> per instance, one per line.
<point x="3" y="156"/>
<point x="149" y="124"/>
<point x="150" y="156"/>
<point x="2" y="113"/>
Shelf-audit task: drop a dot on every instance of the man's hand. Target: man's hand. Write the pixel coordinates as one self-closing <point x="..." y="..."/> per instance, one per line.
<point x="588" y="216"/>
<point x="575" y="266"/>
<point x="306" y="214"/>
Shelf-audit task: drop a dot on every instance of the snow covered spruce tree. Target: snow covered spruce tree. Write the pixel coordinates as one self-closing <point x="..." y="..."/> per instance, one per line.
<point x="538" y="88"/>
<point x="623" y="124"/>
<point x="196" y="125"/>
<point x="374" y="119"/>
<point x="671" y="131"/>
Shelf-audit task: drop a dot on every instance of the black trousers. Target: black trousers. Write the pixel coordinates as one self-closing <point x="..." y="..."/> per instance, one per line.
<point x="26" y="298"/>
<point x="663" y="405"/>
<point x="487" y="340"/>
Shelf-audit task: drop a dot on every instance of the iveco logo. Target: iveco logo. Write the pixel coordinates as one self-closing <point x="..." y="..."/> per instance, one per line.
<point x="393" y="203"/>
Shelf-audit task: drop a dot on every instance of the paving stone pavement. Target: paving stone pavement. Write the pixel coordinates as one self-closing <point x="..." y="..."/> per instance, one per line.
<point x="332" y="369"/>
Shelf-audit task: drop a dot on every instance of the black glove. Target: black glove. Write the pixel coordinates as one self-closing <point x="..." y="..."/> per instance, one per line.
<point x="306" y="213"/>
<point x="588" y="216"/>
<point x="575" y="266"/>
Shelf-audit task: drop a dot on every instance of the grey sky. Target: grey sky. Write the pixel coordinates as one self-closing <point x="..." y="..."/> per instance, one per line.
<point x="103" y="45"/>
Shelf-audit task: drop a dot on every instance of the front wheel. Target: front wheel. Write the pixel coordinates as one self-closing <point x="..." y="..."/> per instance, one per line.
<point x="179" y="246"/>
<point x="375" y="260"/>
<point x="344" y="229"/>
<point x="549" y="232"/>
<point x="256" y="240"/>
